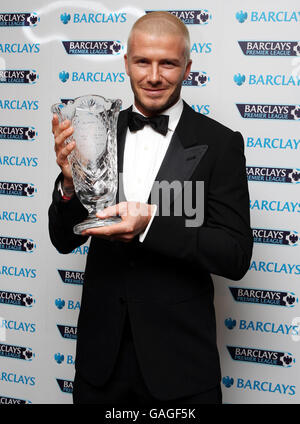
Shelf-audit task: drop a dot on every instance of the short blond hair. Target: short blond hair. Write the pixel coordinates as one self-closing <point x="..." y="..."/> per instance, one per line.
<point x="161" y="23"/>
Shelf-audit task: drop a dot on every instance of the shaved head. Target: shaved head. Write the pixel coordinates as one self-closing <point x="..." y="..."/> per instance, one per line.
<point x="160" y="24"/>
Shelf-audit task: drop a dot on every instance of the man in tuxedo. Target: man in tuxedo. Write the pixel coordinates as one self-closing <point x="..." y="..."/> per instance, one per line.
<point x="146" y="328"/>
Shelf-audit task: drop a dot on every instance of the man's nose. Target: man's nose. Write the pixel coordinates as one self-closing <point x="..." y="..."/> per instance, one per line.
<point x="154" y="74"/>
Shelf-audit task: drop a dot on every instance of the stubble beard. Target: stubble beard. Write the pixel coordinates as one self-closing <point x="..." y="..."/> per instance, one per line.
<point x="155" y="110"/>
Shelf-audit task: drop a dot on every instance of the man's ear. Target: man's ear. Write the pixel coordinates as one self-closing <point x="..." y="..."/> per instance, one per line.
<point x="187" y="69"/>
<point x="126" y="64"/>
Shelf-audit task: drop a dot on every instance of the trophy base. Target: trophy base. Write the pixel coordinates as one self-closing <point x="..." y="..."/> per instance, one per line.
<point x="94" y="222"/>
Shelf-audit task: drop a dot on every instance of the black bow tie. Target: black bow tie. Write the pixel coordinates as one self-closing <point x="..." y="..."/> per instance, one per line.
<point x="159" y="123"/>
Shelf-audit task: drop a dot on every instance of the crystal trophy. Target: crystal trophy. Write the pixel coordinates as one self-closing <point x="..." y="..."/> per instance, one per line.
<point x="93" y="161"/>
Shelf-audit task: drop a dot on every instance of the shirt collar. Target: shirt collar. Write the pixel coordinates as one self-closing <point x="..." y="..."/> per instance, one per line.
<point x="174" y="112"/>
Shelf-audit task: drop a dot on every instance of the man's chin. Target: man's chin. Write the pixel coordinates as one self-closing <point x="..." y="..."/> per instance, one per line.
<point x="154" y="107"/>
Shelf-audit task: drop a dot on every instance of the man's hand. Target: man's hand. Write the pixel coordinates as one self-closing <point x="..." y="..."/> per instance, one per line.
<point x="61" y="132"/>
<point x="135" y="218"/>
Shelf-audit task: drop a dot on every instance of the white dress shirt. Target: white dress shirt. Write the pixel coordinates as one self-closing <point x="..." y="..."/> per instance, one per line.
<point x="143" y="155"/>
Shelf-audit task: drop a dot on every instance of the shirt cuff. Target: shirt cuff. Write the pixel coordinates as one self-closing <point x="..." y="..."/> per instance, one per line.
<point x="59" y="188"/>
<point x="142" y="235"/>
<point x="64" y="197"/>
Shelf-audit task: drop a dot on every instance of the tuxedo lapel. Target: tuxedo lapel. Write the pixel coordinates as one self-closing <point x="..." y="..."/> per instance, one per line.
<point x="121" y="137"/>
<point x="183" y="154"/>
<point x="179" y="163"/>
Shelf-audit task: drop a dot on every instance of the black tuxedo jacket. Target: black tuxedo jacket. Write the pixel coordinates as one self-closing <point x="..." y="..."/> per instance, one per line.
<point x="165" y="282"/>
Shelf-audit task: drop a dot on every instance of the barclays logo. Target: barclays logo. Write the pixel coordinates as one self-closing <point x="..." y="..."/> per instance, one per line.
<point x="71" y="304"/>
<point x="19" y="161"/>
<point x="201" y="48"/>
<point x="16" y="352"/>
<point x="13" y="48"/>
<point x="227" y="381"/>
<point x="269" y="16"/>
<point x="273" y="143"/>
<point x="14" y="271"/>
<point x="230" y="323"/>
<point x="110" y="47"/>
<point x="81" y="250"/>
<point x="17" y="244"/>
<point x="99" y="77"/>
<point x="276" y="267"/>
<point x="66" y="386"/>
<point x="11" y="377"/>
<point x="278" y="237"/>
<point x="59" y="358"/>
<point x="204" y="109"/>
<point x="241" y="16"/>
<point x="191" y="17"/>
<point x="239" y="79"/>
<point x="20" y="326"/>
<point x="8" y="104"/>
<point x="65" y="18"/>
<point x="18" y="19"/>
<point x="17" y="189"/>
<point x="196" y="79"/>
<point x="265" y="111"/>
<point x="16" y="299"/>
<point x="17" y="133"/>
<point x="267" y="80"/>
<point x="264" y="297"/>
<point x="263" y="327"/>
<point x="4" y="400"/>
<point x="270" y="48"/>
<point x="64" y="76"/>
<point x="13" y="216"/>
<point x="93" y="18"/>
<point x="273" y="175"/>
<point x="66" y="101"/>
<point x="17" y="76"/>
<point x="261" y="356"/>
<point x="258" y="385"/>
<point x="275" y="206"/>
<point x="296" y="113"/>
<point x="71" y="277"/>
<point x="67" y="331"/>
<point x="60" y="303"/>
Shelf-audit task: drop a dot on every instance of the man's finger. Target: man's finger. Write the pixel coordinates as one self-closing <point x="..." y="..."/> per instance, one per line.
<point x="55" y="124"/>
<point x="64" y="153"/>
<point x="60" y="139"/>
<point x="119" y="209"/>
<point x="109" y="211"/>
<point x="65" y="124"/>
<point x="58" y="127"/>
<point x="107" y="231"/>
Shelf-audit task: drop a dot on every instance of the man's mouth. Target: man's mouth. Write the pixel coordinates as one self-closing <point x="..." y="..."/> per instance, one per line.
<point x="154" y="91"/>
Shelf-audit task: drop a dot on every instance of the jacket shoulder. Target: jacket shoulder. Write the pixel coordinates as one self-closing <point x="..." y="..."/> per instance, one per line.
<point x="195" y="128"/>
<point x="207" y="123"/>
<point x="123" y="114"/>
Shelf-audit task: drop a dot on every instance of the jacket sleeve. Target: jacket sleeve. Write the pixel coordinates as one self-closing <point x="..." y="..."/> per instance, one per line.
<point x="62" y="218"/>
<point x="222" y="245"/>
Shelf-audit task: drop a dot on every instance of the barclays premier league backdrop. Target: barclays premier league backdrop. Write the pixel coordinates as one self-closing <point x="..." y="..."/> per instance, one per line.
<point x="246" y="74"/>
